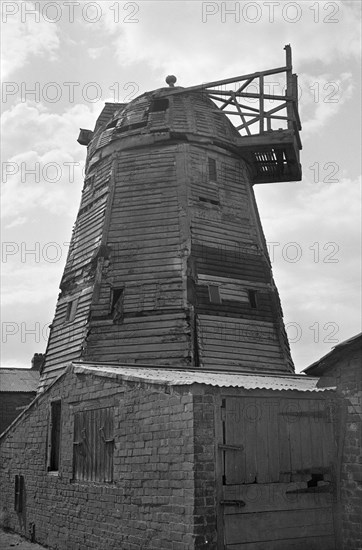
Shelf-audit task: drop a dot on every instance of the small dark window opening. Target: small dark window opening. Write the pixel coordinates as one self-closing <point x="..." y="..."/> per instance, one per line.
<point x="214" y="294"/>
<point x="18" y="493"/>
<point x="212" y="169"/>
<point x="252" y="299"/>
<point x="158" y="105"/>
<point x="112" y="124"/>
<point x="55" y="424"/>
<point x="134" y="126"/>
<point x="117" y="304"/>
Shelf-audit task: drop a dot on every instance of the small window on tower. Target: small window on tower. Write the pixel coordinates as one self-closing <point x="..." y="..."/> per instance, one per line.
<point x="252" y="299"/>
<point x="117" y="304"/>
<point x="71" y="311"/>
<point x="212" y="169"/>
<point x="214" y="294"/>
<point x="159" y="105"/>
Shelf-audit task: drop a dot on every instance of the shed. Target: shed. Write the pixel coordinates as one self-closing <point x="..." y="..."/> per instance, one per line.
<point x="17" y="389"/>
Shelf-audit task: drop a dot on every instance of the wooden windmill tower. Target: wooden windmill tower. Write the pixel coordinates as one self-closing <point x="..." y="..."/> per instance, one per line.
<point x="168" y="264"/>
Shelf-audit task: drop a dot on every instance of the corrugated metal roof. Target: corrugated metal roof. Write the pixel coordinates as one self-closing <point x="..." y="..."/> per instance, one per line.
<point x="175" y="377"/>
<point x="18" y="380"/>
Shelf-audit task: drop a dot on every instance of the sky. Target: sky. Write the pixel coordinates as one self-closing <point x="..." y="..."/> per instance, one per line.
<point x="62" y="60"/>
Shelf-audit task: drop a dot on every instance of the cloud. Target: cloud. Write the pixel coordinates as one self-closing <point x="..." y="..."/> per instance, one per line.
<point x="25" y="36"/>
<point x="40" y="181"/>
<point x="48" y="162"/>
<point x="322" y="97"/>
<point x="95" y="53"/>
<point x="314" y="240"/>
<point x="230" y="40"/>
<point x="32" y="126"/>
<point x="16" y="222"/>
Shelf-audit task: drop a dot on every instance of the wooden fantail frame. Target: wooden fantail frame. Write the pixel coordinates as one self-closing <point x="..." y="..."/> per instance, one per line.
<point x="274" y="154"/>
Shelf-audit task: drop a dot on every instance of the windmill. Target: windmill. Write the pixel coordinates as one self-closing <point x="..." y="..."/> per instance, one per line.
<point x="168" y="264"/>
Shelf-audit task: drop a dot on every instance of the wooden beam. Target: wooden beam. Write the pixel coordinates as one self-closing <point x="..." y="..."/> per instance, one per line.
<point x="241" y="115"/>
<point x="261" y="105"/>
<point x="240" y="89"/>
<point x="227" y="81"/>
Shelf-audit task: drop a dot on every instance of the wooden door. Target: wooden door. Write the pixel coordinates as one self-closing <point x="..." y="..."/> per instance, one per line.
<point x="276" y="459"/>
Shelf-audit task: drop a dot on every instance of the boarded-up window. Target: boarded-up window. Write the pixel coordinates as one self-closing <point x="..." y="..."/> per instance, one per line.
<point x="54" y="436"/>
<point x="93" y="445"/>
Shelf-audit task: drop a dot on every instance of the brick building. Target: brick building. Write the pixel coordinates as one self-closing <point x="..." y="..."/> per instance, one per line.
<point x="342" y="367"/>
<point x="129" y="457"/>
<point x="17" y="389"/>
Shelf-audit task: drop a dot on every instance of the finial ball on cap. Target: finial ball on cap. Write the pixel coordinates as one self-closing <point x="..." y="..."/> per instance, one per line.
<point x="170" y="80"/>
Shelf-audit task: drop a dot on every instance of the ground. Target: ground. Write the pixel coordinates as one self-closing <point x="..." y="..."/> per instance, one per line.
<point x="11" y="541"/>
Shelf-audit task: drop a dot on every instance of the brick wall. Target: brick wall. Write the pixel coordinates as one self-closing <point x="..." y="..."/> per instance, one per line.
<point x="11" y="405"/>
<point x="347" y="372"/>
<point x="151" y="502"/>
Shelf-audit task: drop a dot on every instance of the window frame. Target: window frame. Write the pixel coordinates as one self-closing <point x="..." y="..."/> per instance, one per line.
<point x="71" y="310"/>
<point x="116" y="306"/>
<point x="212" y="169"/>
<point x="54" y="437"/>
<point x="253" y="298"/>
<point x="214" y="293"/>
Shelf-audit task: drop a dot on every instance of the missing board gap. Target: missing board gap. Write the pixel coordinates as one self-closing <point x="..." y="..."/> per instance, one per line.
<point x="209" y="201"/>
<point x="89" y="181"/>
<point x="112" y="124"/>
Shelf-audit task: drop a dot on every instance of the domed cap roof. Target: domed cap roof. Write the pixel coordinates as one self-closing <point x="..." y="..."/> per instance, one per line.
<point x="173" y="109"/>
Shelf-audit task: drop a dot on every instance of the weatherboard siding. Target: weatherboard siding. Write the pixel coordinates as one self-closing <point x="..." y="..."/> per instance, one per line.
<point x="167" y="209"/>
<point x="228" y="251"/>
<point x="144" y="237"/>
<point x="66" y="338"/>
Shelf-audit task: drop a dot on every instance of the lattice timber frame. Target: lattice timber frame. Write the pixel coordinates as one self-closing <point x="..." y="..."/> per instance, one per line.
<point x="272" y="154"/>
